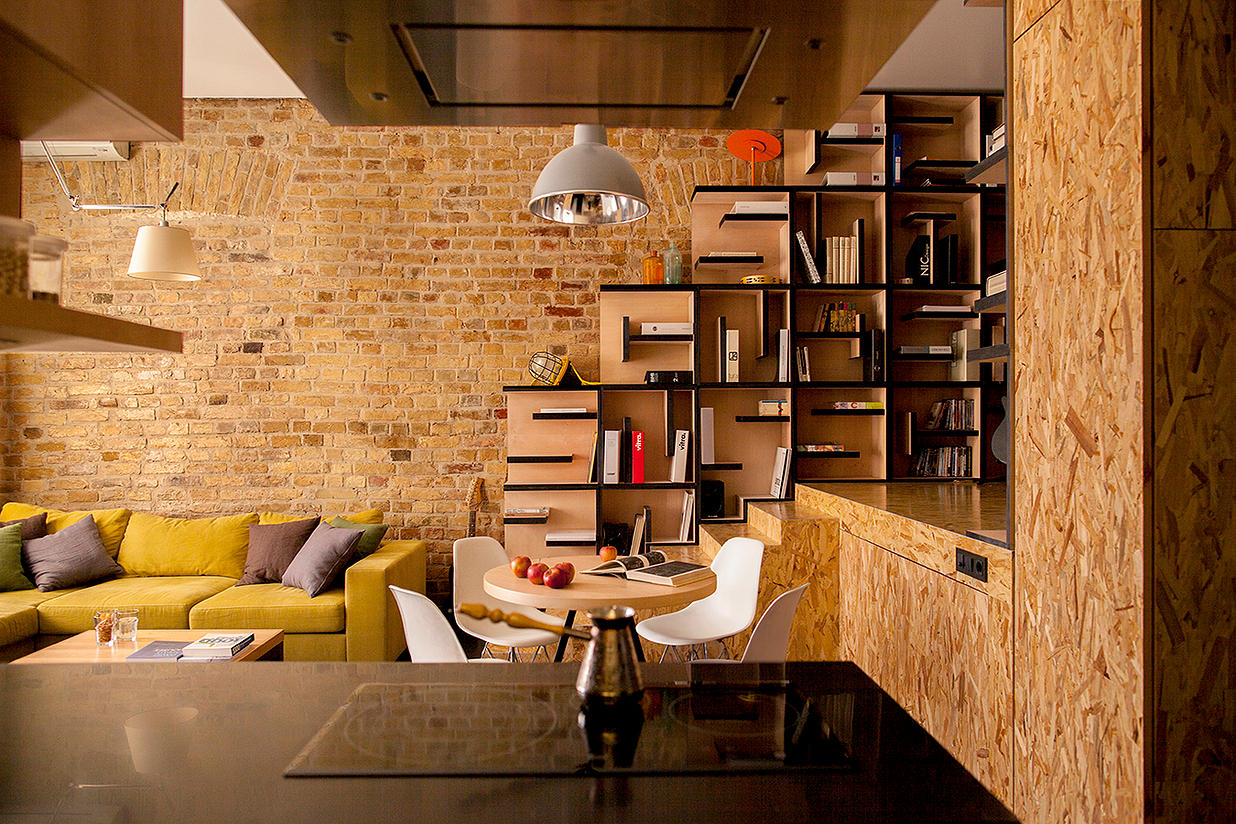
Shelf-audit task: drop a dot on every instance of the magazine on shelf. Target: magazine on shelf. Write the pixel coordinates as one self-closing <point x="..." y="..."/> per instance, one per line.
<point x="619" y="567"/>
<point x="670" y="573"/>
<point x="218" y="645"/>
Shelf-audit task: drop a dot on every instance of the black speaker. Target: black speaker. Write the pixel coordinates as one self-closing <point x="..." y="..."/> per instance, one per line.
<point x="712" y="499"/>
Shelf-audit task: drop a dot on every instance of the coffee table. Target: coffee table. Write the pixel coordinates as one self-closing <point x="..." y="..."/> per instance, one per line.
<point x="267" y="645"/>
<point x="590" y="591"/>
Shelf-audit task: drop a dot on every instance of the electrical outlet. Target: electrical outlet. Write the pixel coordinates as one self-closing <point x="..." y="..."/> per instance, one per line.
<point x="974" y="565"/>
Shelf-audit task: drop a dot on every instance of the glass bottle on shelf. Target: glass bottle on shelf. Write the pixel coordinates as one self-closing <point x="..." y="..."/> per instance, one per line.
<point x="673" y="264"/>
<point x="654" y="269"/>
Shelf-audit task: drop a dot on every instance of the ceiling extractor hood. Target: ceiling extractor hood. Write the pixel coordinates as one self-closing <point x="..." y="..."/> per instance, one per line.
<point x="682" y="63"/>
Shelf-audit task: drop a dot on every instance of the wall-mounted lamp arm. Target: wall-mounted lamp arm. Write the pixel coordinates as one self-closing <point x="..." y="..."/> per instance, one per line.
<point x="78" y="206"/>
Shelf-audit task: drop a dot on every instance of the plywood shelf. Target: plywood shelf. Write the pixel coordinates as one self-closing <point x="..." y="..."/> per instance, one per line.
<point x="989" y="354"/>
<point x="43" y="326"/>
<point x="993" y="169"/>
<point x="761" y="418"/>
<point x="848" y="412"/>
<point x="992" y="303"/>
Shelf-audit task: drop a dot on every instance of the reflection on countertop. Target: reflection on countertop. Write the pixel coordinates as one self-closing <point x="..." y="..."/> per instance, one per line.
<point x="958" y="507"/>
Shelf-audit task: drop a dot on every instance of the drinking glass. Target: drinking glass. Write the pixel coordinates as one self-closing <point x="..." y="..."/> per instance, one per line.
<point x="104" y="624"/>
<point x="125" y="626"/>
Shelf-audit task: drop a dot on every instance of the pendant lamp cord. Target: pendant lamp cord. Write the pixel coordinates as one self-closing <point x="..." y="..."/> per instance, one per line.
<point x="78" y="206"/>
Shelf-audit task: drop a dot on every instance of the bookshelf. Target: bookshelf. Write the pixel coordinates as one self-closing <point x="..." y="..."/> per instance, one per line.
<point x="869" y="407"/>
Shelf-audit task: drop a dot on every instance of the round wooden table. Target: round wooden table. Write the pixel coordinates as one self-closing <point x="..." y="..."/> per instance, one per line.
<point x="590" y="591"/>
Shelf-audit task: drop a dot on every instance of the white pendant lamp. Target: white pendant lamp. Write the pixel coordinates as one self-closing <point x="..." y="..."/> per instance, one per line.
<point x="164" y="253"/>
<point x="589" y="184"/>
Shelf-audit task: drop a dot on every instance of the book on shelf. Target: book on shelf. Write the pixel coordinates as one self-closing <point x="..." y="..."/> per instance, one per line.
<point x="637" y="456"/>
<point x="996" y="283"/>
<point x="940" y="308"/>
<point x="665" y="328"/>
<point x="731" y="356"/>
<point x="857" y="405"/>
<point x="619" y="567"/>
<point x="721" y="338"/>
<point x="853" y="179"/>
<point x="640" y="531"/>
<point x="670" y="573"/>
<point x="592" y="460"/>
<point x="610" y="455"/>
<point x="950" y="414"/>
<point x="838" y="317"/>
<point x="963" y="342"/>
<point x="920" y="263"/>
<point x="872" y="346"/>
<point x="571" y="537"/>
<point x="857" y="130"/>
<point x="159" y="651"/>
<point x="998" y="367"/>
<point x="708" y="453"/>
<point x="896" y="152"/>
<point x="526" y="512"/>
<point x="760" y="207"/>
<point x="942" y="462"/>
<point x="772" y="408"/>
<point x="917" y="349"/>
<point x="562" y="410"/>
<point x="858" y="239"/>
<point x="804" y="364"/>
<point x="821" y="447"/>
<point x="812" y="273"/>
<point x="217" y="645"/>
<point x="624" y="453"/>
<point x="783" y="355"/>
<point x="945" y="271"/>
<point x="780" y="473"/>
<point x="688" y="516"/>
<point x="678" y="464"/>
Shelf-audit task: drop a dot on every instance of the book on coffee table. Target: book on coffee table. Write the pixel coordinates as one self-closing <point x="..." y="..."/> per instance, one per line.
<point x="670" y="573"/>
<point x="218" y="645"/>
<point x="159" y="651"/>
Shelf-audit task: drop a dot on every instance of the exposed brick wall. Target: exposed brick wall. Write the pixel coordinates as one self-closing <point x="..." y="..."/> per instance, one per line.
<point x="366" y="294"/>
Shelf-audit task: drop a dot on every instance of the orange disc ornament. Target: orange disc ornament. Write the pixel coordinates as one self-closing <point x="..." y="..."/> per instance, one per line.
<point x="754" y="146"/>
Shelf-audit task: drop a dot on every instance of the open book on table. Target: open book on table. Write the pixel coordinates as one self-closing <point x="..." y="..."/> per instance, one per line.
<point x="620" y="566"/>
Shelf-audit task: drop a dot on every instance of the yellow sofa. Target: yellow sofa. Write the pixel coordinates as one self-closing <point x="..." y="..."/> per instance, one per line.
<point x="355" y="620"/>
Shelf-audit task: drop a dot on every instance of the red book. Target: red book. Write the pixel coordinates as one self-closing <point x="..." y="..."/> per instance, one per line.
<point x="637" y="457"/>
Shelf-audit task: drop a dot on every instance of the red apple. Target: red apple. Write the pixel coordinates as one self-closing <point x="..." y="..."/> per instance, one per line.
<point x="520" y="566"/>
<point x="608" y="553"/>
<point x="556" y="578"/>
<point x="568" y="568"/>
<point x="536" y="572"/>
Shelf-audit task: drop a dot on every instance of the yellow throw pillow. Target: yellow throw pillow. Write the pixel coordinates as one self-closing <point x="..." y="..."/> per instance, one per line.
<point x="368" y="516"/>
<point x="183" y="546"/>
<point x="111" y="522"/>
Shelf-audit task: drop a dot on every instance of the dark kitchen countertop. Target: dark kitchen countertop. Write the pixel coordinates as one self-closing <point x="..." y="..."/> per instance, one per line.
<point x="66" y="747"/>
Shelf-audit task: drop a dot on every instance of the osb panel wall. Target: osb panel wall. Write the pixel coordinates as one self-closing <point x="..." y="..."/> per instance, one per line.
<point x="1022" y="14"/>
<point x="366" y="293"/>
<point x="1080" y="508"/>
<point x="941" y="649"/>
<point x="1194" y="114"/>
<point x="1194" y="532"/>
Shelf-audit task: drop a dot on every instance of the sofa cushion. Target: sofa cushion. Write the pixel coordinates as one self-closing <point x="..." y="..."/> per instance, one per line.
<point x="12" y="576"/>
<point x="161" y="603"/>
<point x="367" y="516"/>
<point x="111" y="523"/>
<point x="371" y="535"/>
<point x="271" y="606"/>
<point x="17" y="623"/>
<point x="322" y="558"/>
<point x="271" y="548"/>
<point x="33" y="527"/>
<point x="186" y="546"/>
<point x="29" y="597"/>
<point x="72" y="556"/>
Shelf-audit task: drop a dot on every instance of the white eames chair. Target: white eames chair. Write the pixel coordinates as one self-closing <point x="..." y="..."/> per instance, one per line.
<point x="473" y="557"/>
<point x="729" y="610"/>
<point x="430" y="637"/>
<point x="770" y="640"/>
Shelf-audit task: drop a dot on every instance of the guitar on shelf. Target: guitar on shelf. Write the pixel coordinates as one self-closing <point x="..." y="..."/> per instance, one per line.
<point x="474" y="503"/>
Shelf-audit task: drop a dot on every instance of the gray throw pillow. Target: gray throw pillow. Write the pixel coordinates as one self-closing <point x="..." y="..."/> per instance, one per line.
<point x="323" y="556"/>
<point x="72" y="556"/>
<point x="272" y="548"/>
<point x="33" y="527"/>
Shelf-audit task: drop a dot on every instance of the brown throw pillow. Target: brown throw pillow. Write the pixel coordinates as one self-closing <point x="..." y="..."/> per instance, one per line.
<point x="322" y="557"/>
<point x="33" y="527"/>
<point x="272" y="547"/>
<point x="72" y="556"/>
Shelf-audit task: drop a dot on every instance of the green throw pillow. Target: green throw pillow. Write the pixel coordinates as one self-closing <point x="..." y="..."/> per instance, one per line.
<point x="11" y="575"/>
<point x="373" y="534"/>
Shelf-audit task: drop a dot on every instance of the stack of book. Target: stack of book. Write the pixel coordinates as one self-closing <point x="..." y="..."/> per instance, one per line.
<point x="909" y="351"/>
<point x="942" y="462"/>
<point x="856" y="405"/>
<point x="217" y="645"/>
<point x="837" y="317"/>
<point x="996" y="283"/>
<point x="821" y="447"/>
<point x="950" y="414"/>
<point x="841" y="257"/>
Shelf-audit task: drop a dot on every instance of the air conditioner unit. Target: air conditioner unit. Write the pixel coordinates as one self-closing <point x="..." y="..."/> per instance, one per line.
<point x="80" y="150"/>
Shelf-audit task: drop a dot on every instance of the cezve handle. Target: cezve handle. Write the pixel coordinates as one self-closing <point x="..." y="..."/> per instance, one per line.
<point x="514" y="619"/>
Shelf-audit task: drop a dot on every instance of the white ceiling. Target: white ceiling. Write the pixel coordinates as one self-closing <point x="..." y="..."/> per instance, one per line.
<point x="955" y="47"/>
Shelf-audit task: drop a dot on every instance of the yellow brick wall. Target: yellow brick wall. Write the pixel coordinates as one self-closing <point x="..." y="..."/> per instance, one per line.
<point x="366" y="294"/>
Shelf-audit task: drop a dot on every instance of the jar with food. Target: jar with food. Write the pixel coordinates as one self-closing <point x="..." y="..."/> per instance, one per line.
<point x="14" y="257"/>
<point x="46" y="267"/>
<point x="104" y="624"/>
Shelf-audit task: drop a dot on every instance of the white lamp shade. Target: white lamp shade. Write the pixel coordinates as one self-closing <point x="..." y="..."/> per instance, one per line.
<point x="589" y="184"/>
<point x="164" y="253"/>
